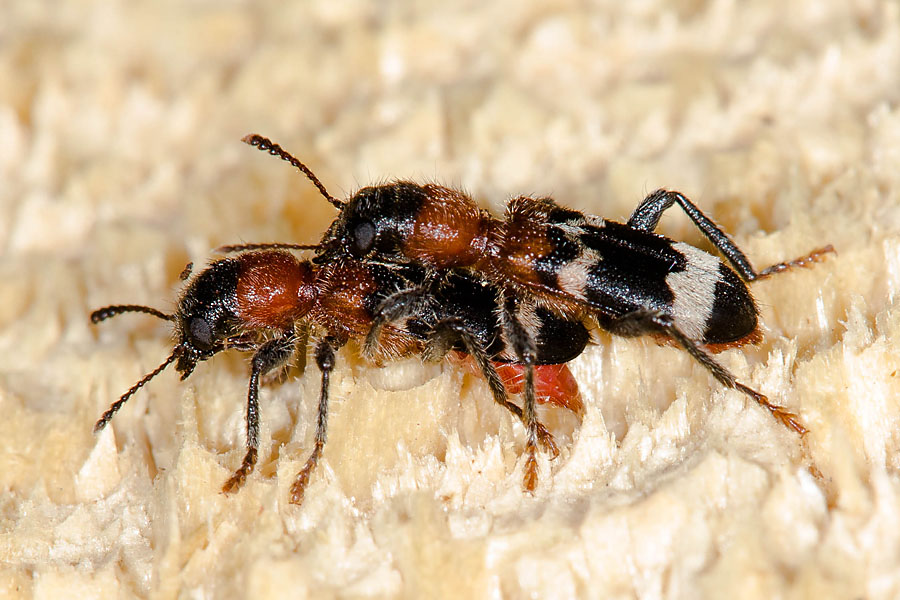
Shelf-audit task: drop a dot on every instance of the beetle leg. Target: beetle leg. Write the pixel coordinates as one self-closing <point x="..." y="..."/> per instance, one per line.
<point x="325" y="351"/>
<point x="524" y="345"/>
<point x="640" y="322"/>
<point x="268" y="356"/>
<point x="448" y="331"/>
<point x="646" y="217"/>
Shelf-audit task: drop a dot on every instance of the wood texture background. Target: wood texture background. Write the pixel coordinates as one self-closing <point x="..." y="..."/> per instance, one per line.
<point x="120" y="161"/>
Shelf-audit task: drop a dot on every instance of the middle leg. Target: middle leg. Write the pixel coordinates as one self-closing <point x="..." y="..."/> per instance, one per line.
<point x="442" y="339"/>
<point x="325" y="351"/>
<point x="525" y="348"/>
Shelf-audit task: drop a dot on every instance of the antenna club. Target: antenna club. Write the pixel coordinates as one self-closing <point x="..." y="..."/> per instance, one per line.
<point x="257" y="140"/>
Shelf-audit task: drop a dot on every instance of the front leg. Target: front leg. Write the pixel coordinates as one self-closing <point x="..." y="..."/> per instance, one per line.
<point x="268" y="356"/>
<point x="397" y="306"/>
<point x="298" y="363"/>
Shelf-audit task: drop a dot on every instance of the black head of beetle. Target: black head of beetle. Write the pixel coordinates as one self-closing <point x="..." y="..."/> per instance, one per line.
<point x="206" y="315"/>
<point x="373" y="222"/>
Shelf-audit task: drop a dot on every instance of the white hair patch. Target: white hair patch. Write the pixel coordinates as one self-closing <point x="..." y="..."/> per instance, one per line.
<point x="694" y="290"/>
<point x="572" y="277"/>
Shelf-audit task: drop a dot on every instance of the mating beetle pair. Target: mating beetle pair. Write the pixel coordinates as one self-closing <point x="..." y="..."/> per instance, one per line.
<point x="412" y="269"/>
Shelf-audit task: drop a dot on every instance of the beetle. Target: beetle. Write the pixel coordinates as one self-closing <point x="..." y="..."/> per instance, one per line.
<point x="626" y="278"/>
<point x="257" y="300"/>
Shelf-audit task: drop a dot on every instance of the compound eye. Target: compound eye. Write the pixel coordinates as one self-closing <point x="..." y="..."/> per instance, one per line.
<point x="201" y="333"/>
<point x="363" y="237"/>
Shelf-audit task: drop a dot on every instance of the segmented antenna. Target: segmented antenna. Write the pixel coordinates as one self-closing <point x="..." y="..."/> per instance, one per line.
<point x="115" y="406"/>
<point x="274" y="149"/>
<point x="269" y="246"/>
<point x="107" y="312"/>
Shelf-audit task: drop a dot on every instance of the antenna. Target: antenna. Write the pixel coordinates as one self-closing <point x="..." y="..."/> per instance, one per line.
<point x="267" y="145"/>
<point x="269" y="246"/>
<point x="115" y="406"/>
<point x="108" y="312"/>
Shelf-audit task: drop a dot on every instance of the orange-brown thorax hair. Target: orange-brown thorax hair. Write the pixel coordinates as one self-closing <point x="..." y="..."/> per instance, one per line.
<point x="449" y="229"/>
<point x="274" y="290"/>
<point x="344" y="308"/>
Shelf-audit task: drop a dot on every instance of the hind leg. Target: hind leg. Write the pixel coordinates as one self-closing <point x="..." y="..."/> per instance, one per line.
<point x="643" y="322"/>
<point x="646" y="217"/>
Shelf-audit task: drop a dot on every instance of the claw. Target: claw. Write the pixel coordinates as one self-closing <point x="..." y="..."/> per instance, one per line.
<point x="788" y="419"/>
